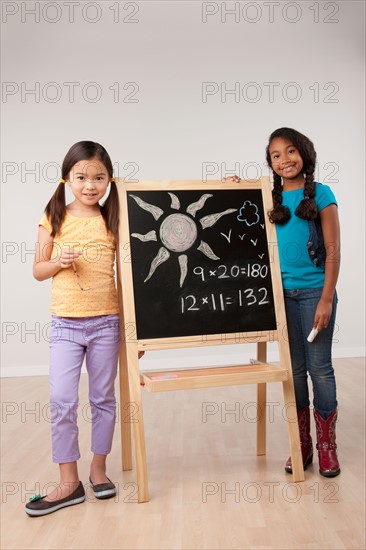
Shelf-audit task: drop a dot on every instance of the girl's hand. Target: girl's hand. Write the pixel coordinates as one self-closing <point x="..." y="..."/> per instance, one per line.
<point x="234" y="179"/>
<point x="323" y="313"/>
<point x="68" y="257"/>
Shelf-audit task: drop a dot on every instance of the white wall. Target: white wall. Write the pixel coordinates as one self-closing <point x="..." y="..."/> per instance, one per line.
<point x="311" y="52"/>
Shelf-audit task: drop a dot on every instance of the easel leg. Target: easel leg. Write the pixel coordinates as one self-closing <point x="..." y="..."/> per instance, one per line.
<point x="290" y="414"/>
<point x="125" y="404"/>
<point x="136" y="418"/>
<point x="293" y="430"/>
<point x="261" y="403"/>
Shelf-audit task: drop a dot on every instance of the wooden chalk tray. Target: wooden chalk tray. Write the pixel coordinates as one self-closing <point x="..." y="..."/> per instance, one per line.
<point x="193" y="378"/>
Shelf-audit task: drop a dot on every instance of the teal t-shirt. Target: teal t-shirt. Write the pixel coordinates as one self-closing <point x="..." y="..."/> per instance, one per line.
<point x="297" y="269"/>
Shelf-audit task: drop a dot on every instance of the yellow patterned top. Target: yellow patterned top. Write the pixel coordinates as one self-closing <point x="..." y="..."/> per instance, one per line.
<point x="95" y="268"/>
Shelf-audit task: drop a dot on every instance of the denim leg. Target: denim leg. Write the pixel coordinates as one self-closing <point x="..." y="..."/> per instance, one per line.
<point x="319" y="353"/>
<point x="297" y="349"/>
<point x="103" y="341"/>
<point x="316" y="356"/>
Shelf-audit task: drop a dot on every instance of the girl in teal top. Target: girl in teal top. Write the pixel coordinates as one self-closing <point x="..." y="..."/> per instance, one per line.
<point x="306" y="218"/>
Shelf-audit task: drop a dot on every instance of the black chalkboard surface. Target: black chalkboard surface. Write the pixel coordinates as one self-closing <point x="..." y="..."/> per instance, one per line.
<point x="200" y="263"/>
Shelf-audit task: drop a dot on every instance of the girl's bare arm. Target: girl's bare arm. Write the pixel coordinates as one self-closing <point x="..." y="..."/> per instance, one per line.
<point x="331" y="234"/>
<point x="44" y="266"/>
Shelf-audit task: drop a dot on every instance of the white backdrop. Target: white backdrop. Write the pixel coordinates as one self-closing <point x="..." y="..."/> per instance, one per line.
<point x="175" y="90"/>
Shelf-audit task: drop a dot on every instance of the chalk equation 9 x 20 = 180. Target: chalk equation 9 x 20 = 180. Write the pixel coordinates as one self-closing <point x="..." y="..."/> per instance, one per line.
<point x="217" y="302"/>
<point x="232" y="272"/>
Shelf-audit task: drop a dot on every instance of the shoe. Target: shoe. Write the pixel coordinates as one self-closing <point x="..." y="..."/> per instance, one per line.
<point x="103" y="490"/>
<point x="39" y="507"/>
<point x="303" y="417"/>
<point x="326" y="444"/>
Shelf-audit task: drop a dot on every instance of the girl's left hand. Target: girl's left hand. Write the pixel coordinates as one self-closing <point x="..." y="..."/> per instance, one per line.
<point x="323" y="314"/>
<point x="234" y="179"/>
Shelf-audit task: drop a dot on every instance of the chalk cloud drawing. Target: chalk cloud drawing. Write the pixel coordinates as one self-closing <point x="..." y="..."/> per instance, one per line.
<point x="248" y="213"/>
<point x="178" y="232"/>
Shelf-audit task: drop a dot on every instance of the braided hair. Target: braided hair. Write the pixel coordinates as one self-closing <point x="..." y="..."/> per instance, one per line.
<point x="307" y="209"/>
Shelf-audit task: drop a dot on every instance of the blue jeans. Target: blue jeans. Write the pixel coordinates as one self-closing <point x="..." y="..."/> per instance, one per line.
<point x="314" y="358"/>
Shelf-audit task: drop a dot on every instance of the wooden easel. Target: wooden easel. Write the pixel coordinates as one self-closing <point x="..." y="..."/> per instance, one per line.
<point x="258" y="372"/>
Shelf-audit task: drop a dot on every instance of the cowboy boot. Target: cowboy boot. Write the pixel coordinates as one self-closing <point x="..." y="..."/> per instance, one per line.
<point x="326" y="444"/>
<point x="303" y="417"/>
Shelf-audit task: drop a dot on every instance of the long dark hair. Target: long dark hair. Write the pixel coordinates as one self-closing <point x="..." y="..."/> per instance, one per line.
<point x="56" y="208"/>
<point x="307" y="208"/>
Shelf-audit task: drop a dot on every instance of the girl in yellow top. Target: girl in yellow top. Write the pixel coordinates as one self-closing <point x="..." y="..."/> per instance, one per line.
<point x="76" y="247"/>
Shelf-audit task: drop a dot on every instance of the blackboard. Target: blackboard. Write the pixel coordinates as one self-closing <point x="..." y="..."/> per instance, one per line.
<point x="200" y="263"/>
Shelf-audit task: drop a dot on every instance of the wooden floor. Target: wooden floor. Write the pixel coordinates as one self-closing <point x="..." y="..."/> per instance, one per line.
<point x="207" y="487"/>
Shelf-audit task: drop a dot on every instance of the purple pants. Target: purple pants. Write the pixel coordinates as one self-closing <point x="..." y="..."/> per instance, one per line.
<point x="72" y="339"/>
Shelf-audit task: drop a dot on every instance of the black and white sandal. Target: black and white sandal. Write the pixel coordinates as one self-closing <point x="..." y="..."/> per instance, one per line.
<point x="103" y="490"/>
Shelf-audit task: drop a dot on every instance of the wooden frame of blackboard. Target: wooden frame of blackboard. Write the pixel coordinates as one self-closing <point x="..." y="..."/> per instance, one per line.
<point x="130" y="376"/>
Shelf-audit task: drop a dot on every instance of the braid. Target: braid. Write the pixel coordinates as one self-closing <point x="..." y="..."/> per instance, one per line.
<point x="307" y="209"/>
<point x="279" y="214"/>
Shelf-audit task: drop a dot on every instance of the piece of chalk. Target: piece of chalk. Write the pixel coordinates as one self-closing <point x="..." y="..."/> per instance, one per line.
<point x="312" y="334"/>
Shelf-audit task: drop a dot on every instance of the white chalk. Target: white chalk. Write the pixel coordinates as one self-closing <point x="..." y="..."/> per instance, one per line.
<point x="312" y="334"/>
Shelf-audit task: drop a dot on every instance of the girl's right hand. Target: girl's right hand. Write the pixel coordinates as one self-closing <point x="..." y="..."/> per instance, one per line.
<point x="234" y="179"/>
<point x="68" y="256"/>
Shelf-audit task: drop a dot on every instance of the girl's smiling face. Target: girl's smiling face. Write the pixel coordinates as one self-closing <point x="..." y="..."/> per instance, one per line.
<point x="89" y="181"/>
<point x="286" y="161"/>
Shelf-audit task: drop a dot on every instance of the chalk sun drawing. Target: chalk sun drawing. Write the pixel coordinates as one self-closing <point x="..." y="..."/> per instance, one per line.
<point x="178" y="232"/>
